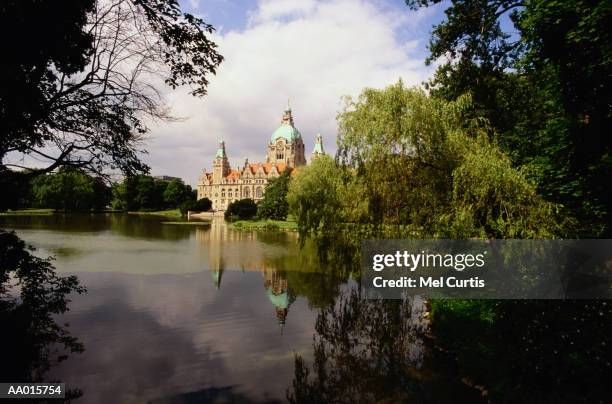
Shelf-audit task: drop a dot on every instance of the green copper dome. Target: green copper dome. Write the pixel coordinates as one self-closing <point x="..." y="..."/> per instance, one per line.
<point x="287" y="132"/>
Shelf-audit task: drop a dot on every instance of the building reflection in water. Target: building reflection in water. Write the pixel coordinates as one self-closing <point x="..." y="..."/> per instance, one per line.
<point x="230" y="249"/>
<point x="279" y="293"/>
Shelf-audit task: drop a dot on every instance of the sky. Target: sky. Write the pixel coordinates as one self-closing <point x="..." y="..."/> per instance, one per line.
<point x="306" y="51"/>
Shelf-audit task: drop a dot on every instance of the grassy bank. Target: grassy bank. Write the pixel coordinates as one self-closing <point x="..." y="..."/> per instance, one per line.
<point x="264" y="225"/>
<point x="27" y="212"/>
<point x="166" y="213"/>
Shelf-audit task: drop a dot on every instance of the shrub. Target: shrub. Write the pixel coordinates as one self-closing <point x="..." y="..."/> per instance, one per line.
<point x="201" y="205"/>
<point x="244" y="209"/>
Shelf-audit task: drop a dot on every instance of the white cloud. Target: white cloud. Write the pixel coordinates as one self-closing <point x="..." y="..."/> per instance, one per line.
<point x="309" y="51"/>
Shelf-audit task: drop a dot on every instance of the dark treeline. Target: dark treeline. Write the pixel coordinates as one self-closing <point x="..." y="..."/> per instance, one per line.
<point x="72" y="190"/>
<point x="145" y="193"/>
<point x="546" y="91"/>
<point x="69" y="190"/>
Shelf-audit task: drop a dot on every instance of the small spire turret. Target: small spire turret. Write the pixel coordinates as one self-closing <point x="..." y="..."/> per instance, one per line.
<point x="318" y="147"/>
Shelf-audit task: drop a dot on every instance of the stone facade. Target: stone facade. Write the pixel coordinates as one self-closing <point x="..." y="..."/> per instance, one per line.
<point x="225" y="185"/>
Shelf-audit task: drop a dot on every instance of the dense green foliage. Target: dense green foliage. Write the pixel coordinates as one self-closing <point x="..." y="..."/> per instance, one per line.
<point x="176" y="193"/>
<point x="243" y="209"/>
<point x="546" y="90"/>
<point x="423" y="168"/>
<point x="549" y="351"/>
<point x="274" y="203"/>
<point x="316" y="200"/>
<point x="145" y="193"/>
<point x="70" y="190"/>
<point x="201" y="205"/>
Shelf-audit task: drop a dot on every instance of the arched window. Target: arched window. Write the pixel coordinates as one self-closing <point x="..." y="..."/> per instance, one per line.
<point x="229" y="194"/>
<point x="245" y="193"/>
<point x="280" y="156"/>
<point x="258" y="192"/>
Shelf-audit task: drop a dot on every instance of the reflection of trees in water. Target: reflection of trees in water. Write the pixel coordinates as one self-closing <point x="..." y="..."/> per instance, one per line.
<point x="307" y="276"/>
<point x="32" y="340"/>
<point x="225" y="394"/>
<point x="373" y="351"/>
<point x="144" y="227"/>
<point x="148" y="227"/>
<point x="72" y="222"/>
<point x="320" y="289"/>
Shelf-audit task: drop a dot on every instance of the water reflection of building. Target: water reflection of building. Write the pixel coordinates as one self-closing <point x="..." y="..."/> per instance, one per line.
<point x="227" y="248"/>
<point x="279" y="293"/>
<point x="216" y="276"/>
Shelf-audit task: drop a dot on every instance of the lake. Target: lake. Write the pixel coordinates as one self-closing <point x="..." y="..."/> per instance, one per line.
<point x="190" y="313"/>
<point x="173" y="309"/>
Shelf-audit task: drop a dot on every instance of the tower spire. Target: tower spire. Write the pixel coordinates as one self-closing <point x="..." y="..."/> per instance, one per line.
<point x="318" y="147"/>
<point x="221" y="165"/>
<point x="221" y="150"/>
<point x="287" y="116"/>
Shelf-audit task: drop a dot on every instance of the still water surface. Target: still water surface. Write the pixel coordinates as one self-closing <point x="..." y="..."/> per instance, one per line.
<point x="179" y="311"/>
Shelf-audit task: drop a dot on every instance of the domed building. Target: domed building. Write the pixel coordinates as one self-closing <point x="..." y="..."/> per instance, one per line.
<point x="225" y="185"/>
<point x="286" y="145"/>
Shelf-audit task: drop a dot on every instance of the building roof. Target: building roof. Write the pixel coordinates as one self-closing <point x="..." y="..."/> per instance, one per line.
<point x="221" y="150"/>
<point x="267" y="167"/>
<point x="252" y="167"/>
<point x="318" y="149"/>
<point x="233" y="174"/>
<point x="287" y="132"/>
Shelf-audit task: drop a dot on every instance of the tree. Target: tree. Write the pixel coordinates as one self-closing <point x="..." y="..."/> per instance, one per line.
<point x="428" y="165"/>
<point x="78" y="95"/>
<point x="571" y="42"/>
<point x="546" y="90"/>
<point x="201" y="205"/>
<point x="176" y="193"/>
<point x="70" y="190"/>
<point x="274" y="203"/>
<point x="143" y="192"/>
<point x="243" y="209"/>
<point x="315" y="196"/>
<point x="477" y="54"/>
<point x="77" y="83"/>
